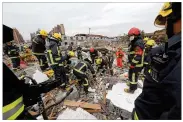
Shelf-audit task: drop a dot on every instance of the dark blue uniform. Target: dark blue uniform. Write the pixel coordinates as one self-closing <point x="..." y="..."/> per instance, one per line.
<point x="161" y="95"/>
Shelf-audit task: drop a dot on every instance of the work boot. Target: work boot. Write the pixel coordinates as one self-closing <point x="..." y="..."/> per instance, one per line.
<point x="127" y="90"/>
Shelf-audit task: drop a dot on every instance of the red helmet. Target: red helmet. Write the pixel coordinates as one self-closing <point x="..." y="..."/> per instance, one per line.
<point x="134" y="31"/>
<point x="91" y="49"/>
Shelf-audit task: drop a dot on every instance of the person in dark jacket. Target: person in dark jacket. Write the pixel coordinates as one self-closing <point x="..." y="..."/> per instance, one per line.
<point x="102" y="64"/>
<point x="161" y="94"/>
<point x="93" y="54"/>
<point x="13" y="52"/>
<point x="38" y="48"/>
<point x="80" y="72"/>
<point x="79" y="52"/>
<point x="55" y="59"/>
<point x="135" y="57"/>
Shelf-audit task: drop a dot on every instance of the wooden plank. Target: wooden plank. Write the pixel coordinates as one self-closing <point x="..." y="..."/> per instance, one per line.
<point x="82" y="104"/>
<point x="93" y="110"/>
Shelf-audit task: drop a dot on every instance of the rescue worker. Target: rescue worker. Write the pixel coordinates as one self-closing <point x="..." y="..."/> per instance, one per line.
<point x="38" y="48"/>
<point x="93" y="54"/>
<point x="13" y="52"/>
<point x="102" y="64"/>
<point x="80" y="72"/>
<point x="161" y="94"/>
<point x="110" y="55"/>
<point x="136" y="58"/>
<point x="79" y="52"/>
<point x="119" y="57"/>
<point x="145" y="40"/>
<point x="148" y="47"/>
<point x="17" y="94"/>
<point x="54" y="58"/>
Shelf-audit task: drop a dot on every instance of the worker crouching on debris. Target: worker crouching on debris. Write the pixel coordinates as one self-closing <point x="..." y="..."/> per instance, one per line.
<point x="102" y="64"/>
<point x="13" y="52"/>
<point x="38" y="48"/>
<point x="161" y="94"/>
<point x="135" y="57"/>
<point x="119" y="57"/>
<point x="54" y="58"/>
<point x="93" y="54"/>
<point x="80" y="70"/>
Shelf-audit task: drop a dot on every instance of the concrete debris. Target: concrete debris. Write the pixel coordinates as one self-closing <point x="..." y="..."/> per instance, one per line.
<point x="78" y="114"/>
<point x="40" y="77"/>
<point x="91" y="90"/>
<point x="122" y="99"/>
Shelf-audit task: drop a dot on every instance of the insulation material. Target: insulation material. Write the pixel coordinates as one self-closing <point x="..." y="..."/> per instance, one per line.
<point x="122" y="99"/>
<point x="40" y="77"/>
<point x="79" y="114"/>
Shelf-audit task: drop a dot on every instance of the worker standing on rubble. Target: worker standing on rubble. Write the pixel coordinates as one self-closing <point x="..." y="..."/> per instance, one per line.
<point x="13" y="52"/>
<point x="110" y="55"/>
<point x="79" y="52"/>
<point x="161" y="95"/>
<point x="38" y="48"/>
<point x="135" y="57"/>
<point x="93" y="54"/>
<point x="119" y="57"/>
<point x="80" y="70"/>
<point x="54" y="58"/>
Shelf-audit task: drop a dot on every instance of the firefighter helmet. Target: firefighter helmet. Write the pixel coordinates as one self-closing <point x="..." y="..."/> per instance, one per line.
<point x="134" y="32"/>
<point x="150" y="43"/>
<point x="71" y="54"/>
<point x="91" y="49"/>
<point x="57" y="36"/>
<point x="43" y="33"/>
<point x="98" y="61"/>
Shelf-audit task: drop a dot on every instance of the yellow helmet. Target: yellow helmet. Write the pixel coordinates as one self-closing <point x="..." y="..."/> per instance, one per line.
<point x="43" y="33"/>
<point x="150" y="43"/>
<point x="98" y="61"/>
<point x="57" y="36"/>
<point x="25" y="46"/>
<point x="71" y="54"/>
<point x="164" y="12"/>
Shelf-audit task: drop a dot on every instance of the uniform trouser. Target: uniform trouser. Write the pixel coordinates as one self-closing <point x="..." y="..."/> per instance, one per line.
<point x="82" y="79"/>
<point x="42" y="61"/>
<point x="15" y="62"/>
<point x="60" y="74"/>
<point x="133" y="77"/>
<point x="93" y="59"/>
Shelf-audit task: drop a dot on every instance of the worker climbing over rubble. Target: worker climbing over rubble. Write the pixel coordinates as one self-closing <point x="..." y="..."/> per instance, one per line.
<point x="93" y="54"/>
<point x="119" y="57"/>
<point x="54" y="58"/>
<point x="79" y="52"/>
<point x="38" y="48"/>
<point x="102" y="65"/>
<point x="135" y="57"/>
<point x="80" y="71"/>
<point x="161" y="94"/>
<point x="12" y="51"/>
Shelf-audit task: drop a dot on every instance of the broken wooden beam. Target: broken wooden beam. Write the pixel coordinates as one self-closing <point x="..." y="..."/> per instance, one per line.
<point x="82" y="104"/>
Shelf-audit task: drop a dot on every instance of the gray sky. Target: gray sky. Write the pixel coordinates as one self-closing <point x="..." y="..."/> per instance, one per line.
<point x="109" y="19"/>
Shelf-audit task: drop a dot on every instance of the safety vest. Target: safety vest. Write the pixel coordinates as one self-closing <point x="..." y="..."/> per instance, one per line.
<point x="13" y="110"/>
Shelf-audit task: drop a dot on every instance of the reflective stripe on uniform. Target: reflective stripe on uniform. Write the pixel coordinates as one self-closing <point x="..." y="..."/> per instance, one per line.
<point x="13" y="57"/>
<point x="61" y="65"/>
<point x="57" y="59"/>
<point x="50" y="56"/>
<point x="86" y="83"/>
<point x="79" y="71"/>
<point x="135" y="116"/>
<point x="58" y="50"/>
<point x="132" y="52"/>
<point x="35" y="41"/>
<point x="134" y="61"/>
<point x="13" y="110"/>
<point x="133" y="78"/>
<point x="82" y="67"/>
<point x="38" y="53"/>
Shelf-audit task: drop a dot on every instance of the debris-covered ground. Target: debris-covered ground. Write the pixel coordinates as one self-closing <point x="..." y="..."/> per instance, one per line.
<point x="106" y="99"/>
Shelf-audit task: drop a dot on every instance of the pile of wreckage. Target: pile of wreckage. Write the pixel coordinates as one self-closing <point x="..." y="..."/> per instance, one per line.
<point x="106" y="99"/>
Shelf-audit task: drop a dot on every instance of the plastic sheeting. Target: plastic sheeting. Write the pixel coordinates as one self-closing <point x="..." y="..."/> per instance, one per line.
<point x="79" y="114"/>
<point x="122" y="99"/>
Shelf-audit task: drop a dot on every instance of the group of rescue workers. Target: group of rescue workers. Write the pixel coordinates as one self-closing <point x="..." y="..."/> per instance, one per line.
<point x="161" y="95"/>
